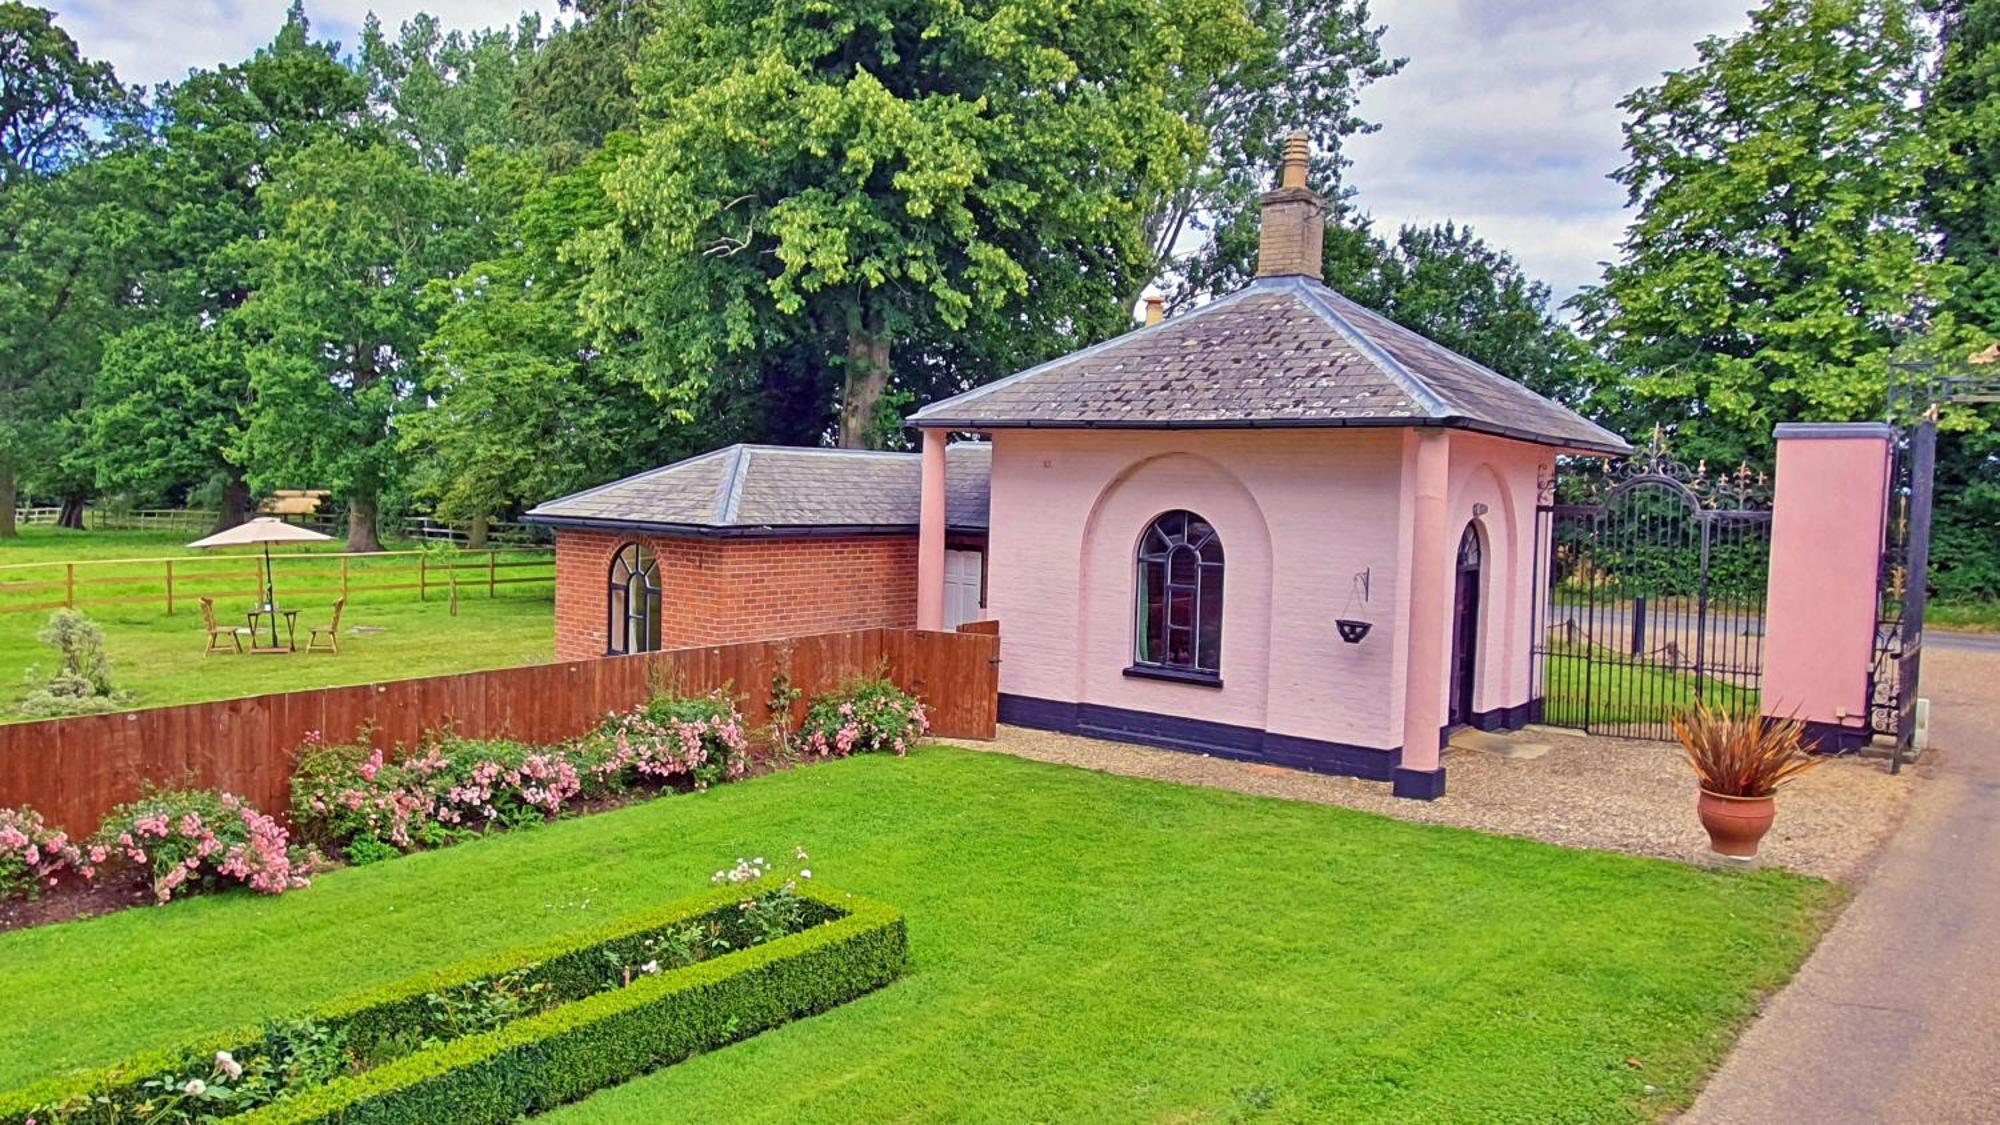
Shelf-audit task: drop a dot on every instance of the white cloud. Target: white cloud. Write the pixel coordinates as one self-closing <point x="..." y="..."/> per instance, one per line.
<point x="1506" y="118"/>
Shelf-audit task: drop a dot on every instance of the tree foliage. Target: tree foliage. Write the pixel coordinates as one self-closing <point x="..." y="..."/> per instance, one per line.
<point x="1779" y="247"/>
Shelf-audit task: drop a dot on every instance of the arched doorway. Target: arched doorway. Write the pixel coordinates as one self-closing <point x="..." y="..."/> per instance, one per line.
<point x="1465" y="627"/>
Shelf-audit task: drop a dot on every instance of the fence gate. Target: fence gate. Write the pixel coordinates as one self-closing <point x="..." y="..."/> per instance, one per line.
<point x="1651" y="582"/>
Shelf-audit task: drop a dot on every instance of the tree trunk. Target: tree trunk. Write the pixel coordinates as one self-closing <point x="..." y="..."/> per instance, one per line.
<point x="475" y="536"/>
<point x="867" y="380"/>
<point x="235" y="503"/>
<point x="8" y="497"/>
<point x="71" y="515"/>
<point x="361" y="531"/>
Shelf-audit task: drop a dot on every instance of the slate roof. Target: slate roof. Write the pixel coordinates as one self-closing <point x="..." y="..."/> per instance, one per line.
<point x="1283" y="351"/>
<point x="766" y="489"/>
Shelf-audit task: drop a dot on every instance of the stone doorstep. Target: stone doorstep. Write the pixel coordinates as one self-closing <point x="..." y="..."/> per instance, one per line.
<point x="1500" y="745"/>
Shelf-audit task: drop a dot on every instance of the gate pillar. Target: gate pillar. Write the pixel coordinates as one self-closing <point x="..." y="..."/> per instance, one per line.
<point x="1827" y="520"/>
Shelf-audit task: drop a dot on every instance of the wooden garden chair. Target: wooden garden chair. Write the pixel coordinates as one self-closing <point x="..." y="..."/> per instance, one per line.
<point x="217" y="632"/>
<point x="331" y="632"/>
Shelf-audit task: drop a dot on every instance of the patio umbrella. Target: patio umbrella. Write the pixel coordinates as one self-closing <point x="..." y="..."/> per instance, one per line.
<point x="266" y="530"/>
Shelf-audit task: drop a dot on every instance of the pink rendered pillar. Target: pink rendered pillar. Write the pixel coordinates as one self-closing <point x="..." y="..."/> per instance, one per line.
<point x="1826" y="549"/>
<point x="1432" y="551"/>
<point x="930" y="534"/>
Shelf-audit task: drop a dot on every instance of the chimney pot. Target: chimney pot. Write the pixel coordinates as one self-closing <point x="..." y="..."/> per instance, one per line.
<point x="1156" y="308"/>
<point x="1292" y="228"/>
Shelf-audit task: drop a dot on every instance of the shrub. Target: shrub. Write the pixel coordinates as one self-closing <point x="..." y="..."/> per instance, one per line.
<point x="598" y="1018"/>
<point x="701" y="740"/>
<point x="81" y="684"/>
<point x="33" y="854"/>
<point x="200" y="838"/>
<point x="1742" y="755"/>
<point x="869" y="715"/>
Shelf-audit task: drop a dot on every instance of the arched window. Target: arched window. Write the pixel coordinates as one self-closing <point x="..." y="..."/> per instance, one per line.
<point x="633" y="607"/>
<point x="1179" y="626"/>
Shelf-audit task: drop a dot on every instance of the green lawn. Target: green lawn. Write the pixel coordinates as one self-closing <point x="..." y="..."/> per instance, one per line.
<point x="1617" y="692"/>
<point x="1084" y="947"/>
<point x="161" y="658"/>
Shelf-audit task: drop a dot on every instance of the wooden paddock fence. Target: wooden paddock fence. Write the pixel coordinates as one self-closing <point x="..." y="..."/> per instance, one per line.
<point x="76" y="770"/>
<point x="177" y="583"/>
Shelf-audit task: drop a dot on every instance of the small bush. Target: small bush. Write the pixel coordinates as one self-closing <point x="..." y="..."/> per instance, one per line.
<point x="868" y="716"/>
<point x="190" y="839"/>
<point x="33" y="855"/>
<point x="81" y="684"/>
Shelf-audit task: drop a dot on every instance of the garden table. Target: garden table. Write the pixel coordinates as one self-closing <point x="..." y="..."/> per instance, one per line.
<point x="291" y="617"/>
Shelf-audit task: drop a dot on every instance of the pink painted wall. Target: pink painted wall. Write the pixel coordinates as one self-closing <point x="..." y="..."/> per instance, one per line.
<point x="1503" y="476"/>
<point x="1300" y="513"/>
<point x="1826" y="544"/>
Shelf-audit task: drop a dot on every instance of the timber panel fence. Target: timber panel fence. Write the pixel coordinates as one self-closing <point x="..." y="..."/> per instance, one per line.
<point x="76" y="770"/>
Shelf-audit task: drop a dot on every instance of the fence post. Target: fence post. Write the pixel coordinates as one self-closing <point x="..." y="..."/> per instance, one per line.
<point x="492" y="562"/>
<point x="422" y="559"/>
<point x="69" y="585"/>
<point x="343" y="578"/>
<point x="170" y="587"/>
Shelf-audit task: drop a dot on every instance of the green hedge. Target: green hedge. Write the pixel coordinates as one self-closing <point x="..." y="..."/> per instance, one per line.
<point x="567" y="1052"/>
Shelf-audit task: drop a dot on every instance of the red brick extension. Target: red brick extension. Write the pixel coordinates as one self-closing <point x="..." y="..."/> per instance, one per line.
<point x="720" y="591"/>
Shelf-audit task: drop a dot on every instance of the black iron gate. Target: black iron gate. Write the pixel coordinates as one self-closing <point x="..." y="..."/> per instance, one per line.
<point x="1899" y="624"/>
<point x="1651" y="580"/>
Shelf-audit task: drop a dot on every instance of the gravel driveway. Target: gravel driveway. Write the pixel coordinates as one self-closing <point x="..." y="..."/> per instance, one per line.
<point x="1583" y="791"/>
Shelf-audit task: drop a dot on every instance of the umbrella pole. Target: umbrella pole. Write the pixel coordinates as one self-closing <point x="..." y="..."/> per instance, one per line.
<point x="270" y="599"/>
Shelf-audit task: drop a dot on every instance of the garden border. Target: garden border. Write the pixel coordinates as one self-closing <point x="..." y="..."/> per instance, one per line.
<point x="567" y="1052"/>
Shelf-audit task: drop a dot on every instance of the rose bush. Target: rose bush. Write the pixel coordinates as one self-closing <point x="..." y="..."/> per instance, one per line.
<point x="33" y="855"/>
<point x="868" y="716"/>
<point x="191" y="839"/>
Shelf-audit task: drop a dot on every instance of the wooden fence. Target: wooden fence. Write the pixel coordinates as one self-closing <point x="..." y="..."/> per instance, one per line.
<point x="75" y="770"/>
<point x="177" y="582"/>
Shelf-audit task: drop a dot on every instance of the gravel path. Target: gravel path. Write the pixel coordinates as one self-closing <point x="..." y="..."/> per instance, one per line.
<point x="1585" y="792"/>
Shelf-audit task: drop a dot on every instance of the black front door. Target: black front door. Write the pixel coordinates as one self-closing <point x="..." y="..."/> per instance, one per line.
<point x="1465" y="627"/>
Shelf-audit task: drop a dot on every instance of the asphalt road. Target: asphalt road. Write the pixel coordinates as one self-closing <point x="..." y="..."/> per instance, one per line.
<point x="1896" y="1016"/>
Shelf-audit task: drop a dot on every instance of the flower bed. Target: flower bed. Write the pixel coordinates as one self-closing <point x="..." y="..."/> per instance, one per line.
<point x="494" y="1038"/>
<point x="33" y="855"/>
<point x="357" y="799"/>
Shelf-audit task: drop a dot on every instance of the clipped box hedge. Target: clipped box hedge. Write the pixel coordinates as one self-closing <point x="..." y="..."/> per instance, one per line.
<point x="560" y="1055"/>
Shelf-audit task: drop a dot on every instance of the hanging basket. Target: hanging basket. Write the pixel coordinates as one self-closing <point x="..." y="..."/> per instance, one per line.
<point x="1352" y="631"/>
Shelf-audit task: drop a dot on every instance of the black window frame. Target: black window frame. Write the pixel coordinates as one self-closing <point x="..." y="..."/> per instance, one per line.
<point x="1168" y="539"/>
<point x="634" y="566"/>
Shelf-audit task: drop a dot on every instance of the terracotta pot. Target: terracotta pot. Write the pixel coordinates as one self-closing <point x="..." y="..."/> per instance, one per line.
<point x="1735" y="824"/>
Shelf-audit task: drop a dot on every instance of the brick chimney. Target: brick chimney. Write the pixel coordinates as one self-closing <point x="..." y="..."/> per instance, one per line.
<point x="1292" y="230"/>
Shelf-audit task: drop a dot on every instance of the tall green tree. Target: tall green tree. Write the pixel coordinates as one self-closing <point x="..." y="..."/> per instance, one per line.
<point x="51" y="273"/>
<point x="1780" y="247"/>
<point x="1963" y="204"/>
<point x="525" y="406"/>
<point x="841" y="178"/>
<point x="1456" y="288"/>
<point x="173" y="401"/>
<point x="357" y="231"/>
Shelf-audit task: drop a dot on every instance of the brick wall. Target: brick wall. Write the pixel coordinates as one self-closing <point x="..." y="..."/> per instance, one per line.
<point x="721" y="591"/>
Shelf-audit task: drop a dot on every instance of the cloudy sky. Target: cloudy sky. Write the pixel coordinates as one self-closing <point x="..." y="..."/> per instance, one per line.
<point x="1505" y="117"/>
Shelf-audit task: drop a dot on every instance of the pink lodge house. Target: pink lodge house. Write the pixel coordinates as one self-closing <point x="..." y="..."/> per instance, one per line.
<point x="1278" y="527"/>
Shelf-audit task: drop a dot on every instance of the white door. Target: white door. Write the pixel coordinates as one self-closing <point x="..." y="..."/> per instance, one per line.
<point x="963" y="572"/>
